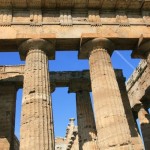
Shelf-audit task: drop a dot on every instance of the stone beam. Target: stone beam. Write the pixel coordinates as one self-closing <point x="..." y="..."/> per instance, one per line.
<point x="138" y="84"/>
<point x="70" y="27"/>
<point x="79" y="4"/>
<point x="68" y="38"/>
<point x="15" y="75"/>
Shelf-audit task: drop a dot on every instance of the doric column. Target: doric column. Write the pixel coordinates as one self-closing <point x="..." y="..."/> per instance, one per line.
<point x="135" y="137"/>
<point x="85" y="115"/>
<point x="144" y="119"/>
<point x="7" y="115"/>
<point x="111" y="122"/>
<point x="36" y="121"/>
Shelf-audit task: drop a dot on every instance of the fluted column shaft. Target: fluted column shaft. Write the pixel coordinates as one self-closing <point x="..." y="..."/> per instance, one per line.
<point x="135" y="137"/>
<point x="86" y="122"/>
<point x="7" y="116"/>
<point x="144" y="119"/>
<point x="111" y="123"/>
<point x="36" y="123"/>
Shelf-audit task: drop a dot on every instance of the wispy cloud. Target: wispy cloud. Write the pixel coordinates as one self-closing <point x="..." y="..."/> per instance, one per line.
<point x="125" y="60"/>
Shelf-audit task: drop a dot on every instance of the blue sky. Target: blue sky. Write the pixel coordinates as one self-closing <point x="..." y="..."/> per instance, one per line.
<point x="64" y="106"/>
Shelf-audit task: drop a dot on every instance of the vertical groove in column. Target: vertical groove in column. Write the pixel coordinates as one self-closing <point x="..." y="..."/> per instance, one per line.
<point x="86" y="122"/>
<point x="36" y="97"/>
<point x="112" y="128"/>
<point x="144" y="119"/>
<point x="135" y="137"/>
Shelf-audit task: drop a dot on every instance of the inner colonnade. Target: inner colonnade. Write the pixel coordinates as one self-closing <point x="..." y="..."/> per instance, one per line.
<point x="113" y="126"/>
<point x="95" y="28"/>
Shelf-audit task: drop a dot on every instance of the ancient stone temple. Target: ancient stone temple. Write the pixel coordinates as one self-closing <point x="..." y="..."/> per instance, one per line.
<point x="36" y="29"/>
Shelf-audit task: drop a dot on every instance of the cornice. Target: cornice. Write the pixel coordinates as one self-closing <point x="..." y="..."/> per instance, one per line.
<point x="80" y="4"/>
<point x="69" y="17"/>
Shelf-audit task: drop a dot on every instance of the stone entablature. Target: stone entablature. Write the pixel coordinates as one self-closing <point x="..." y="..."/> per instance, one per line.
<point x="59" y="78"/>
<point x="136" y="86"/>
<point x="136" y="74"/>
<point x="12" y="69"/>
<point x="69" y="17"/>
<point x="79" y="4"/>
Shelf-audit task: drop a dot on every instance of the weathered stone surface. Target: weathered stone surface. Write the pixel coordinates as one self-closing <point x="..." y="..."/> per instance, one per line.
<point x="72" y="136"/>
<point x="60" y="143"/>
<point x="76" y="4"/>
<point x="135" y="137"/>
<point x="16" y="143"/>
<point x="37" y="131"/>
<point x="148" y="58"/>
<point x="85" y="116"/>
<point x="35" y="44"/>
<point x="7" y="116"/>
<point x="86" y="122"/>
<point x="111" y="123"/>
<point x="144" y="119"/>
<point x="58" y="78"/>
<point x="70" y="142"/>
<point x="138" y="84"/>
<point x="13" y="73"/>
<point x="68" y="24"/>
<point x="142" y="50"/>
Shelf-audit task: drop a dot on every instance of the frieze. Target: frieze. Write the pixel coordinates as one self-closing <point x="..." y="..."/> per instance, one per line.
<point x="21" y="16"/>
<point x="94" y="17"/>
<point x="146" y="17"/>
<point x="52" y="17"/>
<point x="77" y="4"/>
<point x="122" y="19"/>
<point x="37" y="17"/>
<point x="5" y="17"/>
<point x="80" y="18"/>
<point x="65" y="18"/>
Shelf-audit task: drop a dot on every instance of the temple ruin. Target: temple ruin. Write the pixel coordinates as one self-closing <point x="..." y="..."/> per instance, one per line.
<point x="36" y="29"/>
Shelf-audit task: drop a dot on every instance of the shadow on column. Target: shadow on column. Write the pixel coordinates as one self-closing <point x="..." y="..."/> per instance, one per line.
<point x="136" y="140"/>
<point x="7" y="115"/>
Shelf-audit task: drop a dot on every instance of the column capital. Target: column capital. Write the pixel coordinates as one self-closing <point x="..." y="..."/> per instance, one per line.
<point x="142" y="51"/>
<point x="97" y="43"/>
<point x="36" y="44"/>
<point x="81" y="84"/>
